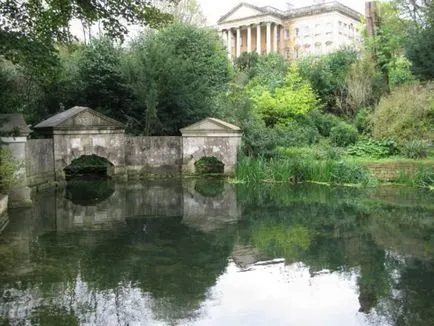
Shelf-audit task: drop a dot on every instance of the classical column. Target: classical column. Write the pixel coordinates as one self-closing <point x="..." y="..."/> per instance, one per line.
<point x="249" y="39"/>
<point x="258" y="39"/>
<point x="238" y="41"/>
<point x="268" y="38"/>
<point x="275" y="27"/>
<point x="230" y="44"/>
<point x="282" y="39"/>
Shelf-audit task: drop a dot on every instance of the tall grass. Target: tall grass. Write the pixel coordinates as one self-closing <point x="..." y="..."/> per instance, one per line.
<point x="301" y="170"/>
<point x="423" y="177"/>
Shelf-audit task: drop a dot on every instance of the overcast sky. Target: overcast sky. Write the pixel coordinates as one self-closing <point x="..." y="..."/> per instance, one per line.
<point x="214" y="9"/>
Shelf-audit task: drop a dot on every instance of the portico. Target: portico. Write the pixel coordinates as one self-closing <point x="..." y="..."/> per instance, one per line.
<point x="261" y="37"/>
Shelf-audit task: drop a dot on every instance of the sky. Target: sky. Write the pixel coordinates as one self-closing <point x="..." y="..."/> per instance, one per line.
<point x="213" y="9"/>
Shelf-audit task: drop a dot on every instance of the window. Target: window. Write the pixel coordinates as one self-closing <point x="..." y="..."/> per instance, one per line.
<point x="297" y="32"/>
<point x="329" y="28"/>
<point x="287" y="34"/>
<point x="306" y="31"/>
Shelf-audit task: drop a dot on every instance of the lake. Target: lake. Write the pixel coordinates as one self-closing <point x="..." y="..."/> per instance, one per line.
<point x="206" y="252"/>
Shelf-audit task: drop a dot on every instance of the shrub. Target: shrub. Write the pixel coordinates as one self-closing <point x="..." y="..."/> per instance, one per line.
<point x="400" y="72"/>
<point x="415" y="149"/>
<point x="361" y="121"/>
<point x="324" y="122"/>
<point x="373" y="148"/>
<point x="406" y="114"/>
<point x="343" y="135"/>
<point x="7" y="169"/>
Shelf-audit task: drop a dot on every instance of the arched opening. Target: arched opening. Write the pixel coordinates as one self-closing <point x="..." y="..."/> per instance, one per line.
<point x="209" y="165"/>
<point x="89" y="167"/>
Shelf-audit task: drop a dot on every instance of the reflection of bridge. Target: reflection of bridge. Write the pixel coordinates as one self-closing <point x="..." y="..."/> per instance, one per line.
<point x="127" y="201"/>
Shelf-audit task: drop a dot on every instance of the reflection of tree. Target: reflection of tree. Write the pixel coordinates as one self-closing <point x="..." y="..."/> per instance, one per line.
<point x="175" y="264"/>
<point x="338" y="230"/>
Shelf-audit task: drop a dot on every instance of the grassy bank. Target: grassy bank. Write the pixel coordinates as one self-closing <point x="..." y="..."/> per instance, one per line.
<point x="330" y="171"/>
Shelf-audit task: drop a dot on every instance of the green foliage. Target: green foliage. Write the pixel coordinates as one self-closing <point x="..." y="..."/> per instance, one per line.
<point x="400" y="72"/>
<point x="364" y="86"/>
<point x="301" y="170"/>
<point x="361" y="120"/>
<point x="7" y="169"/>
<point x="420" y="43"/>
<point x="415" y="149"/>
<point x="324" y="122"/>
<point x="207" y="165"/>
<point x="312" y="152"/>
<point x="406" y="114"/>
<point x="248" y="63"/>
<point x="343" y="135"/>
<point x="327" y="75"/>
<point x="388" y="43"/>
<point x="368" y="147"/>
<point x="181" y="73"/>
<point x="280" y="107"/>
<point x="29" y="29"/>
<point x="269" y="73"/>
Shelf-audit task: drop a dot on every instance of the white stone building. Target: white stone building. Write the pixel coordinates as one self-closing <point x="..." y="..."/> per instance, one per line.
<point x="313" y="30"/>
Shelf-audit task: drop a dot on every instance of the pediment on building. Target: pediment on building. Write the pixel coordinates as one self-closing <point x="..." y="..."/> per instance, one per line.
<point x="243" y="10"/>
<point x="211" y="125"/>
<point x="80" y="118"/>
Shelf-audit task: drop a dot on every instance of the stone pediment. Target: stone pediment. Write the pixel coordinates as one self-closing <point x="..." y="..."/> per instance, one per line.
<point x="79" y="118"/>
<point x="210" y="126"/>
<point x="243" y="10"/>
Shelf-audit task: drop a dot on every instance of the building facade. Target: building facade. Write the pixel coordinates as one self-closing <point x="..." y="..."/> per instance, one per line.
<point x="295" y="33"/>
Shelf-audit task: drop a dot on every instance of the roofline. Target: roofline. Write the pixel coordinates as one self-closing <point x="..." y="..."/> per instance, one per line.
<point x="298" y="12"/>
<point x="239" y="6"/>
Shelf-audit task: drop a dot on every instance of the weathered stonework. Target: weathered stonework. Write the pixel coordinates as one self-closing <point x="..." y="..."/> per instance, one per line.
<point x="210" y="138"/>
<point x="82" y="131"/>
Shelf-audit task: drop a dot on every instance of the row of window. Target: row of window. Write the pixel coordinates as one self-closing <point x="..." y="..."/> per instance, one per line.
<point x="308" y="31"/>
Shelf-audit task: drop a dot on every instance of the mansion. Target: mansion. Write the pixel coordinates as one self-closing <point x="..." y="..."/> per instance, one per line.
<point x="295" y="33"/>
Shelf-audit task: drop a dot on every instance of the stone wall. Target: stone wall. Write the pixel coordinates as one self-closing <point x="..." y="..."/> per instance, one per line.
<point x="106" y="144"/>
<point x="39" y="161"/>
<point x="391" y="171"/>
<point x="222" y="148"/>
<point x="153" y="155"/>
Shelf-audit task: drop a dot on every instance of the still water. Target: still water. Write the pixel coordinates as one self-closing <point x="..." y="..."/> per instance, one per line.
<point x="205" y="252"/>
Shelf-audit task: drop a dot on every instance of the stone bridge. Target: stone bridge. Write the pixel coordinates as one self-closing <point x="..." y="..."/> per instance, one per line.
<point x="82" y="131"/>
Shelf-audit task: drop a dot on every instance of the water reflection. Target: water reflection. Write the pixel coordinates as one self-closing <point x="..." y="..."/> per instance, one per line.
<point x="185" y="253"/>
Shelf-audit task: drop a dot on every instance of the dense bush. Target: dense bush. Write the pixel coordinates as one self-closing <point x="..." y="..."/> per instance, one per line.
<point x="368" y="147"/>
<point x="324" y="122"/>
<point x="343" y="135"/>
<point x="294" y="98"/>
<point x="415" y="149"/>
<point x="400" y="72"/>
<point x="7" y="169"/>
<point x="361" y="121"/>
<point x="406" y="114"/>
<point x="327" y="75"/>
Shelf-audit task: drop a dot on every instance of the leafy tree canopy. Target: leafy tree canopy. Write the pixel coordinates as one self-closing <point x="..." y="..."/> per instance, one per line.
<point x="295" y="97"/>
<point x="29" y="28"/>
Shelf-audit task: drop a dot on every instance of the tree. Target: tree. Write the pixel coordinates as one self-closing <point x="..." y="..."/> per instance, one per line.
<point x="327" y="75"/>
<point x="185" y="11"/>
<point x="181" y="71"/>
<point x="420" y="44"/>
<point x="294" y="98"/>
<point x="28" y="29"/>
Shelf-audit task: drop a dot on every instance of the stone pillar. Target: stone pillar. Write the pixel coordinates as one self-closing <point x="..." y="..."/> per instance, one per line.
<point x="275" y="29"/>
<point x="238" y="42"/>
<point x="249" y="39"/>
<point x="282" y="40"/>
<point x="268" y="38"/>
<point x="258" y="39"/>
<point x="230" y="44"/>
<point x="19" y="193"/>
